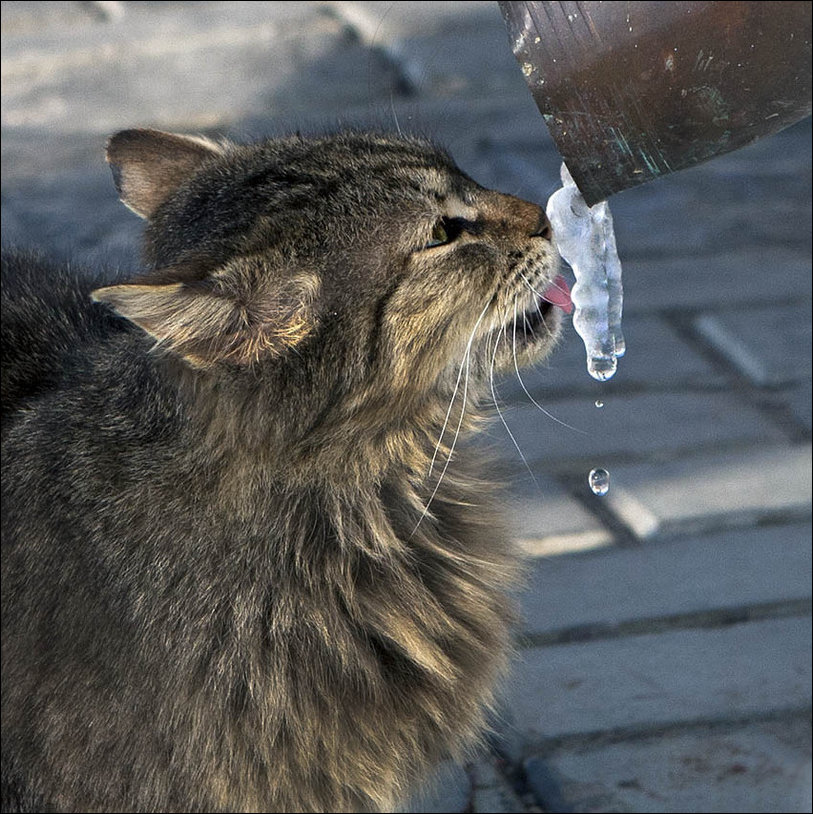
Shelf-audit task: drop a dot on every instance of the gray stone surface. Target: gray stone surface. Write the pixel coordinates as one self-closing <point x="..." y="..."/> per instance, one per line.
<point x="547" y="520"/>
<point x="756" y="768"/>
<point x="710" y="491"/>
<point x="442" y="53"/>
<point x="681" y="282"/>
<point x="642" y="427"/>
<point x="546" y="785"/>
<point x="450" y="790"/>
<point x="702" y="577"/>
<point x="164" y="66"/>
<point x="797" y="401"/>
<point x="491" y="792"/>
<point x="652" y="681"/>
<point x="706" y="425"/>
<point x="771" y="346"/>
<point x="658" y="358"/>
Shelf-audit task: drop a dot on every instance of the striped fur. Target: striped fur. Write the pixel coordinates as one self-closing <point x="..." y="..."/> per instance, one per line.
<point x="249" y="562"/>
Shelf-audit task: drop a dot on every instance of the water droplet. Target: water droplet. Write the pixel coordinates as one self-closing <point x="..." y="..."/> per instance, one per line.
<point x="602" y="368"/>
<point x="599" y="480"/>
<point x="599" y="403"/>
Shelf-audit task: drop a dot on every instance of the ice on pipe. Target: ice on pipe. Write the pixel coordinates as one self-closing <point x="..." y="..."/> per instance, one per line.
<point x="585" y="239"/>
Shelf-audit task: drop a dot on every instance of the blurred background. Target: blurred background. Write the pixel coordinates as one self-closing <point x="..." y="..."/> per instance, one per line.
<point x="665" y="658"/>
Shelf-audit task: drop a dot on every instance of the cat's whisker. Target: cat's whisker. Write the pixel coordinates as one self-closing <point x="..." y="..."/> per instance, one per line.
<point x="395" y="115"/>
<point x="497" y="406"/>
<point x="463" y="361"/>
<point x="454" y="442"/>
<point x="554" y="284"/>
<point x="536" y="304"/>
<point x="527" y="392"/>
<point x="528" y="283"/>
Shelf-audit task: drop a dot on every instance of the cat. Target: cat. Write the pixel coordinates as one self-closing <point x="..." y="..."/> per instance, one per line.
<point x="247" y="565"/>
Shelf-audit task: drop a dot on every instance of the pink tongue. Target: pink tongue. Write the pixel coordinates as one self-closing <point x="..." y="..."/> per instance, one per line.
<point x="558" y="293"/>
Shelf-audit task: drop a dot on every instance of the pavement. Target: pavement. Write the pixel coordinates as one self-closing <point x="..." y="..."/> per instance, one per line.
<point x="664" y="660"/>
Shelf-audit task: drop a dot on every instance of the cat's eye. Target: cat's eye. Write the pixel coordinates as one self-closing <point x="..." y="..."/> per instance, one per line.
<point x="441" y="233"/>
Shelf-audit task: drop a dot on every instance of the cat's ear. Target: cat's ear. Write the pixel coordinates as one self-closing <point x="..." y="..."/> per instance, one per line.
<point x="213" y="321"/>
<point x="149" y="165"/>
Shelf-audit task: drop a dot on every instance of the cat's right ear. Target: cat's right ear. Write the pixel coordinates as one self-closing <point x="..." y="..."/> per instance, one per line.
<point x="149" y="165"/>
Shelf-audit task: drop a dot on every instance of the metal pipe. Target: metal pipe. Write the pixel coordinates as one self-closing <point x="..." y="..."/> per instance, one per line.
<point x="633" y="91"/>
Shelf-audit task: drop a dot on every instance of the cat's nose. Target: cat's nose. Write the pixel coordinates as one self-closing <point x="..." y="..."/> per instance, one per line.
<point x="542" y="228"/>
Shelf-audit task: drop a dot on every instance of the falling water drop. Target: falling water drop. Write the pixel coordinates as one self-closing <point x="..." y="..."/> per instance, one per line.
<point x="599" y="480"/>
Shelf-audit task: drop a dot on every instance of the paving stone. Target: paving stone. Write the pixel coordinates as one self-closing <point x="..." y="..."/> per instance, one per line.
<point x="653" y="680"/>
<point x="75" y="215"/>
<point x="771" y="346"/>
<point x="760" y="767"/>
<point x="798" y="400"/>
<point x="388" y="23"/>
<point x="709" y="575"/>
<point x="449" y="791"/>
<point x="31" y="17"/>
<point x="638" y="427"/>
<point x="732" y="277"/>
<point x="491" y="792"/>
<point x="709" y="491"/>
<point x="546" y="785"/>
<point x="443" y="48"/>
<point x="176" y="69"/>
<point x="656" y="357"/>
<point x="546" y="520"/>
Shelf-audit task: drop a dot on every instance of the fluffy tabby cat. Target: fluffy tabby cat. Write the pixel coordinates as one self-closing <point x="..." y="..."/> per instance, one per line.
<point x="245" y="566"/>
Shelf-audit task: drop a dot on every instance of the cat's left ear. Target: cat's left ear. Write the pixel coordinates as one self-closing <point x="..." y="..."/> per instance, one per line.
<point x="149" y="165"/>
<point x="218" y="319"/>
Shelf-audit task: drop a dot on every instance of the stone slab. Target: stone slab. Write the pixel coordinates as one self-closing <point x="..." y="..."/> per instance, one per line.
<point x="656" y="358"/>
<point x="546" y="520"/>
<point x="798" y="400"/>
<point x="760" y="767"/>
<point x="449" y="790"/>
<point x="491" y="792"/>
<point x="175" y="69"/>
<point x="658" y="680"/>
<point x="20" y="18"/>
<point x="732" y="276"/>
<point x="640" y="427"/>
<point x="709" y="491"/>
<point x="770" y="346"/>
<point x="444" y="49"/>
<point x="74" y="214"/>
<point x="699" y="576"/>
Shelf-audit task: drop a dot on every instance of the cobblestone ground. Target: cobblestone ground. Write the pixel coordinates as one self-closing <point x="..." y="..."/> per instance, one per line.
<point x="665" y="656"/>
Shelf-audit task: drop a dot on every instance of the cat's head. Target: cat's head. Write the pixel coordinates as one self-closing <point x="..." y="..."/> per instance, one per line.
<point x="370" y="261"/>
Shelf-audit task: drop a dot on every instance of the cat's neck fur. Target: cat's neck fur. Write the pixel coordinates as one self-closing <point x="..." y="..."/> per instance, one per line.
<point x="332" y="441"/>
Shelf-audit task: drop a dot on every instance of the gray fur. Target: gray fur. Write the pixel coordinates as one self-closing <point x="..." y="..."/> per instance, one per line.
<point x="230" y="581"/>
